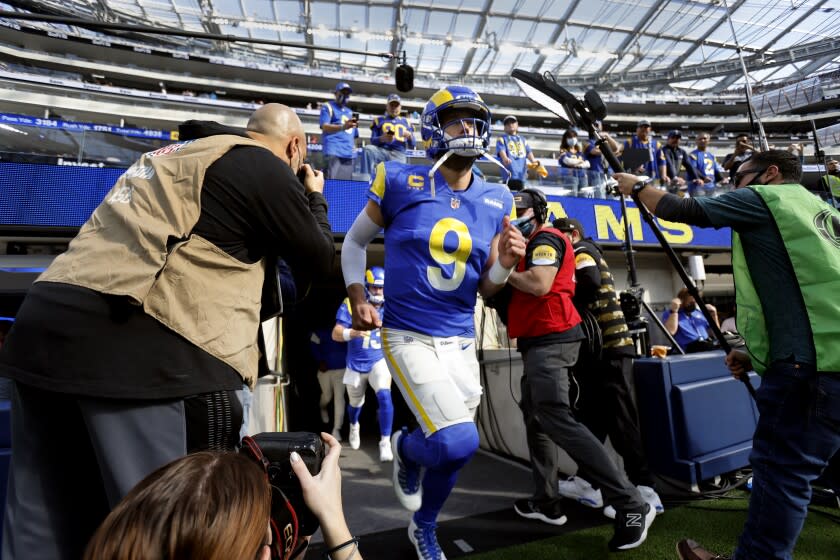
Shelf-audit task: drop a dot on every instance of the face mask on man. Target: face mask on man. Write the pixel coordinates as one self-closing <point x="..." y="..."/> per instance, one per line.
<point x="525" y="225"/>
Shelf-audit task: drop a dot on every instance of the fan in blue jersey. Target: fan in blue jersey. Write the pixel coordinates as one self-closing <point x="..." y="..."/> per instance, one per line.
<point x="390" y="135"/>
<point x="340" y="127"/>
<point x="365" y="364"/>
<point x="708" y="170"/>
<point x="642" y="141"/>
<point x="447" y="237"/>
<point x="515" y="153"/>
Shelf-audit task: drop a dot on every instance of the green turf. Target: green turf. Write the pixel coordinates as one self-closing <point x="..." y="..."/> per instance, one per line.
<point x="715" y="524"/>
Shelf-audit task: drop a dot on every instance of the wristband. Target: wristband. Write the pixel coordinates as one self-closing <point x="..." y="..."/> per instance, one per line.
<point x="499" y="274"/>
<point x="353" y="541"/>
<point x="345" y="334"/>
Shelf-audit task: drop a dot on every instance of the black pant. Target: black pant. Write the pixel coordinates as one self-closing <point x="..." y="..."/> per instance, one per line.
<point x="75" y="457"/>
<point x="549" y="423"/>
<point x="605" y="402"/>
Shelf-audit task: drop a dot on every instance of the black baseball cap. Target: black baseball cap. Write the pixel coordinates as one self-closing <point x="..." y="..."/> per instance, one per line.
<point x="568" y="225"/>
<point x="523" y="200"/>
<point x="675" y="133"/>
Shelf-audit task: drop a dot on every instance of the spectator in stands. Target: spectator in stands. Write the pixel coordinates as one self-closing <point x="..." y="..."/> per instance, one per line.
<point x="216" y="506"/>
<point x="743" y="152"/>
<point x="643" y="141"/>
<point x="707" y="168"/>
<point x="572" y="162"/>
<point x="606" y="401"/>
<point x="785" y="260"/>
<point x="165" y="286"/>
<point x="515" y="153"/>
<point x="598" y="166"/>
<point x="673" y="161"/>
<point x="390" y="135"/>
<point x="340" y="128"/>
<point x="688" y="325"/>
<point x="729" y="324"/>
<point x="332" y="359"/>
<point x="546" y="326"/>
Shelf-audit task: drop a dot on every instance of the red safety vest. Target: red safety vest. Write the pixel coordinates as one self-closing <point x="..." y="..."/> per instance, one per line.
<point x="529" y="315"/>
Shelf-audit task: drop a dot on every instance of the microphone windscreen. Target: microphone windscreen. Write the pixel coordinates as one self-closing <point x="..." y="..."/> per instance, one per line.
<point x="404" y="77"/>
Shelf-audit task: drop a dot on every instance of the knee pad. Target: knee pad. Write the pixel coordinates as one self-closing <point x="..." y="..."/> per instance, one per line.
<point x="450" y="447"/>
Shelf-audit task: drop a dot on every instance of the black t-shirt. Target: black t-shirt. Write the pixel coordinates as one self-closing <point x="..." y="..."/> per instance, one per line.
<point x="537" y="255"/>
<point x="75" y="340"/>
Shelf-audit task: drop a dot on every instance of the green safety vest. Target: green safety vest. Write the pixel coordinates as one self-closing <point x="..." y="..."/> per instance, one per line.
<point x="832" y="182"/>
<point x="810" y="230"/>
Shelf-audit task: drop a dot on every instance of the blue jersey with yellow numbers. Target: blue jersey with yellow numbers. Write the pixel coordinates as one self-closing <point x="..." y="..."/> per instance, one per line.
<point x="364" y="351"/>
<point x="706" y="166"/>
<point x="381" y="126"/>
<point x="343" y="142"/>
<point x="517" y="150"/>
<point x="435" y="248"/>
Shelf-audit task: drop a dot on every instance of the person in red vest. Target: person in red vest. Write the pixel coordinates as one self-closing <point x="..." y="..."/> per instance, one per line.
<point x="543" y="319"/>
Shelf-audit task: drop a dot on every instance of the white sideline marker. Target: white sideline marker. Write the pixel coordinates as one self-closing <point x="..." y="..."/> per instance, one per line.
<point x="462" y="544"/>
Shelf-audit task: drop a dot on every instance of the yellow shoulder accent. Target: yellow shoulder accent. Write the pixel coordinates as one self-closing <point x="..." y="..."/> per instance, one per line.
<point x="377" y="186"/>
<point x="581" y="258"/>
<point x="347" y="303"/>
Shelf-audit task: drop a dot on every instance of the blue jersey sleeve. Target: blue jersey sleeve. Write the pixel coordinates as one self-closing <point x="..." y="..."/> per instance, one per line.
<point x="376" y="192"/>
<point x="343" y="317"/>
<point x="326" y="114"/>
<point x="501" y="145"/>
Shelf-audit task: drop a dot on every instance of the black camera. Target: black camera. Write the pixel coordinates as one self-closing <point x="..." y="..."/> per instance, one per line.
<point x="291" y="519"/>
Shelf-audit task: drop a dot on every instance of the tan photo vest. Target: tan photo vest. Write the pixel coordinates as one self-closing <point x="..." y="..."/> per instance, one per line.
<point x="138" y="244"/>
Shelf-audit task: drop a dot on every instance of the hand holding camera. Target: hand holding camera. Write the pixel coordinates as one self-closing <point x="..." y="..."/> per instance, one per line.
<point x="313" y="181"/>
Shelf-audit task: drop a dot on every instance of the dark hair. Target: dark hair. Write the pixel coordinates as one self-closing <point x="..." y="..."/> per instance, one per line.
<point x="210" y="505"/>
<point x="789" y="165"/>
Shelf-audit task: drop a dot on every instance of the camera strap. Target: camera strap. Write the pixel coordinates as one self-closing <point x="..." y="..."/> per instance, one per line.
<point x="285" y="527"/>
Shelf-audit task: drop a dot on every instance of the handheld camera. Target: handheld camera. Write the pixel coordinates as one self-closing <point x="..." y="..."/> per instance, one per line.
<point x="291" y="519"/>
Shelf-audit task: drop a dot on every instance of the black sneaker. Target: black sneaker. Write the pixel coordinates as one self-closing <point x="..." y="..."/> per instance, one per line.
<point x="631" y="527"/>
<point x="547" y="511"/>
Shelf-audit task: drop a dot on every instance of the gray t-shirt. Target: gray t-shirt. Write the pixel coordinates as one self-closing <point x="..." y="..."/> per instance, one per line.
<point x="771" y="270"/>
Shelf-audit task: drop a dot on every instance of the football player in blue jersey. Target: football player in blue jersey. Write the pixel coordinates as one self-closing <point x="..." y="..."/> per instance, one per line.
<point x="447" y="236"/>
<point x="365" y="364"/>
<point x="390" y="135"/>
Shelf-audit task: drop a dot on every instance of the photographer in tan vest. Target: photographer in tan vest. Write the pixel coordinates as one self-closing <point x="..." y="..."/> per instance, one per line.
<point x="129" y="350"/>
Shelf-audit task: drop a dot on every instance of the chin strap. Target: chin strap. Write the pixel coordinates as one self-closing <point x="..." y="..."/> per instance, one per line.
<point x="435" y="167"/>
<point x="448" y="154"/>
<point x="488" y="157"/>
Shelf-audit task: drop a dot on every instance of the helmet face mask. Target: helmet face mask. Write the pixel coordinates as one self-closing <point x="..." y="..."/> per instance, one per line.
<point x="375" y="282"/>
<point x="453" y="108"/>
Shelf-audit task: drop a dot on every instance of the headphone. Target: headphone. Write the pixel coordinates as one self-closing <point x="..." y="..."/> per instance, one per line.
<point x="540" y="204"/>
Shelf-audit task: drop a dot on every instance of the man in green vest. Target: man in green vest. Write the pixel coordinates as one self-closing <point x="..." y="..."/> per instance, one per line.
<point x="131" y="349"/>
<point x="831" y="180"/>
<point x="786" y="263"/>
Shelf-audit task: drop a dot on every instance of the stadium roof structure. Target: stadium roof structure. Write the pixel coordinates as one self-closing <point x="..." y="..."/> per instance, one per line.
<point x="643" y="45"/>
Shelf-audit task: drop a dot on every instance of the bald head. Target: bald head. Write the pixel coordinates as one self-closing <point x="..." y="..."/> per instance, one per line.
<point x="275" y="120"/>
<point x="279" y="128"/>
